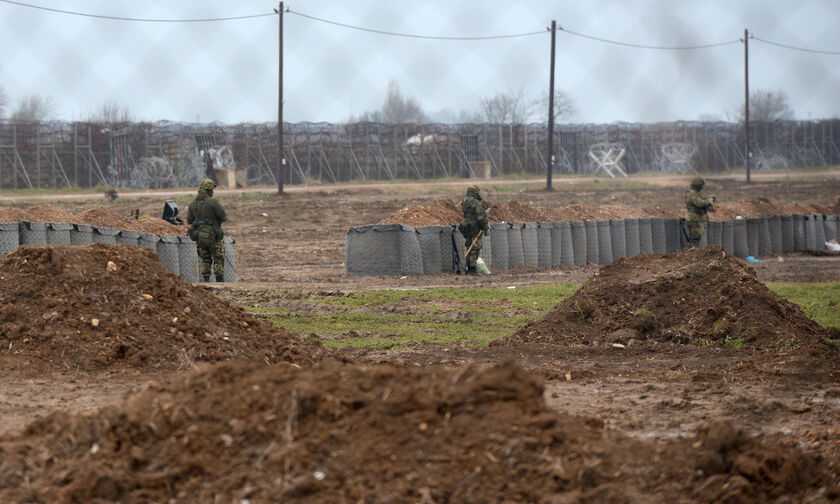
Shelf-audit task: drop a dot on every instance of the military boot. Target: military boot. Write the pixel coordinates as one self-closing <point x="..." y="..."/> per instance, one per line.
<point x="206" y="278"/>
<point x="220" y="278"/>
<point x="471" y="270"/>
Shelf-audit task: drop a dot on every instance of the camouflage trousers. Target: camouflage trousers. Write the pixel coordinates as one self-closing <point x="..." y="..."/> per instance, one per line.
<point x="472" y="257"/>
<point x="695" y="231"/>
<point x="213" y="255"/>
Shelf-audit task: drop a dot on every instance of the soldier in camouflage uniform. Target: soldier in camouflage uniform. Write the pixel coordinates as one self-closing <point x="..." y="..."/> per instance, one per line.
<point x="475" y="222"/>
<point x="205" y="211"/>
<point x="697" y="206"/>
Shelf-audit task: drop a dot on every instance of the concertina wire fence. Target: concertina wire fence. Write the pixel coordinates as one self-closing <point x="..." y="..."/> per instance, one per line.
<point x="168" y="154"/>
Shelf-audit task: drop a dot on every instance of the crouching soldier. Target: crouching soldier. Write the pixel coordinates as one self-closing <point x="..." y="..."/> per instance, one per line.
<point x="205" y="217"/>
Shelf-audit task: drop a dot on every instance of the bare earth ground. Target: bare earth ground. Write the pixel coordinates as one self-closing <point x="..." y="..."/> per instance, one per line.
<point x="296" y="242"/>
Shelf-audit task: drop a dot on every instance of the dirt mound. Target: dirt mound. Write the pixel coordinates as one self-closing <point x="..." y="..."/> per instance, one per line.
<point x="695" y="296"/>
<point x="97" y="216"/>
<point x="97" y="306"/>
<point x="442" y="212"/>
<point x="445" y="212"/>
<point x="106" y="217"/>
<point x="333" y="433"/>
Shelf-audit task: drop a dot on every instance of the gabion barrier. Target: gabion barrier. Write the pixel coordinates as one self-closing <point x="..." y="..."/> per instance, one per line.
<point x="516" y="256"/>
<point x="830" y="228"/>
<point x="175" y="253"/>
<point x="728" y="237"/>
<point x="149" y="241"/>
<point x="764" y="244"/>
<point x="33" y="233"/>
<point x="530" y="246"/>
<point x="618" y="238"/>
<point x="657" y="233"/>
<point x="81" y="234"/>
<point x="714" y="233"/>
<point x="799" y="233"/>
<point x="544" y="245"/>
<point x="550" y="244"/>
<point x="567" y="250"/>
<point x="752" y="236"/>
<point x="604" y="242"/>
<point x="741" y="238"/>
<point x="105" y="235"/>
<point x="58" y="233"/>
<point x="674" y="236"/>
<point x="645" y="236"/>
<point x="379" y="249"/>
<point x="127" y="237"/>
<point x="9" y="237"/>
<point x="499" y="243"/>
<point x="188" y="261"/>
<point x="167" y="251"/>
<point x="631" y="235"/>
<point x="580" y="253"/>
<point x="429" y="239"/>
<point x="486" y="253"/>
<point x="592" y="254"/>
<point x="787" y="234"/>
<point x="775" y="231"/>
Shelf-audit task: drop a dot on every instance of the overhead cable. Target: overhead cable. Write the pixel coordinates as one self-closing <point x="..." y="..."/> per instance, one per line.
<point x="144" y="20"/>
<point x="794" y="48"/>
<point x="642" y="46"/>
<point x="414" y="35"/>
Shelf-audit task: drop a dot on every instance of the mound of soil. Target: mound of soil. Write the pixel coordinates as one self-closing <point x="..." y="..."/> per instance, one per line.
<point x="106" y="217"/>
<point x="97" y="216"/>
<point x="444" y="212"/>
<point x="350" y="433"/>
<point x="695" y="296"/>
<point x="98" y="306"/>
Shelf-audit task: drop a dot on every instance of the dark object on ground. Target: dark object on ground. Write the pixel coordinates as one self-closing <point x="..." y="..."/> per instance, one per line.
<point x="170" y="213"/>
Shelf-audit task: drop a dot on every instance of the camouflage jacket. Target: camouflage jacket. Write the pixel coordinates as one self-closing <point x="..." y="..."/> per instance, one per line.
<point x="475" y="219"/>
<point x="697" y="205"/>
<point x="207" y="208"/>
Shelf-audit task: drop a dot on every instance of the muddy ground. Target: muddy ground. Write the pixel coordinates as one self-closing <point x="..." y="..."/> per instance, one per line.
<point x="296" y="242"/>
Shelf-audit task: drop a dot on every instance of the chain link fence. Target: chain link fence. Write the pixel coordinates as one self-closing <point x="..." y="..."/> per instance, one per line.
<point x="167" y="154"/>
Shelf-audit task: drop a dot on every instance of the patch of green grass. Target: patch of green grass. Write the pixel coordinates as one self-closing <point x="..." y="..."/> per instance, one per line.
<point x="643" y="311"/>
<point x="820" y="301"/>
<point x="735" y="343"/>
<point x="392" y="318"/>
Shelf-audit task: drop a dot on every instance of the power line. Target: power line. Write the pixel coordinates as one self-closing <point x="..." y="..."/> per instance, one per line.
<point x="145" y="20"/>
<point x="412" y="35"/>
<point x="642" y="46"/>
<point x="794" y="48"/>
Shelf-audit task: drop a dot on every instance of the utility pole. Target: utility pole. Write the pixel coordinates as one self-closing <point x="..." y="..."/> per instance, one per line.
<point x="747" y="152"/>
<point x="550" y="160"/>
<point x="281" y="159"/>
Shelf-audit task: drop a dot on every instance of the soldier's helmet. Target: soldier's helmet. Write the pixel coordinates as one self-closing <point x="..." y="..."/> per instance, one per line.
<point x="473" y="191"/>
<point x="207" y="184"/>
<point x="697" y="183"/>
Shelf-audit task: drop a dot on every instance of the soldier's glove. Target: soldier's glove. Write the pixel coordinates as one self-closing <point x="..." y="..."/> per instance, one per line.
<point x="712" y="198"/>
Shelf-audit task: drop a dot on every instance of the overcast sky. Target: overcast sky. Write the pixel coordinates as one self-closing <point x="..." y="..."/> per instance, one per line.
<point x="227" y="71"/>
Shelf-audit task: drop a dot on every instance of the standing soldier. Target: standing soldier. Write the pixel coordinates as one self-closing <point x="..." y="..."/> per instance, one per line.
<point x="473" y="226"/>
<point x="206" y="216"/>
<point x="697" y="206"/>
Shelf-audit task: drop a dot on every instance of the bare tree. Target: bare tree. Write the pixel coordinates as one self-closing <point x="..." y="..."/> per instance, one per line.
<point x="398" y="109"/>
<point x="765" y="105"/>
<point x="111" y="113"/>
<point x="510" y="107"/>
<point x="564" y="106"/>
<point x="4" y="101"/>
<point x="33" y="109"/>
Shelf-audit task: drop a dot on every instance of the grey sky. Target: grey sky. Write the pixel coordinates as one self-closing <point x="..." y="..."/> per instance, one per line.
<point x="227" y="71"/>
